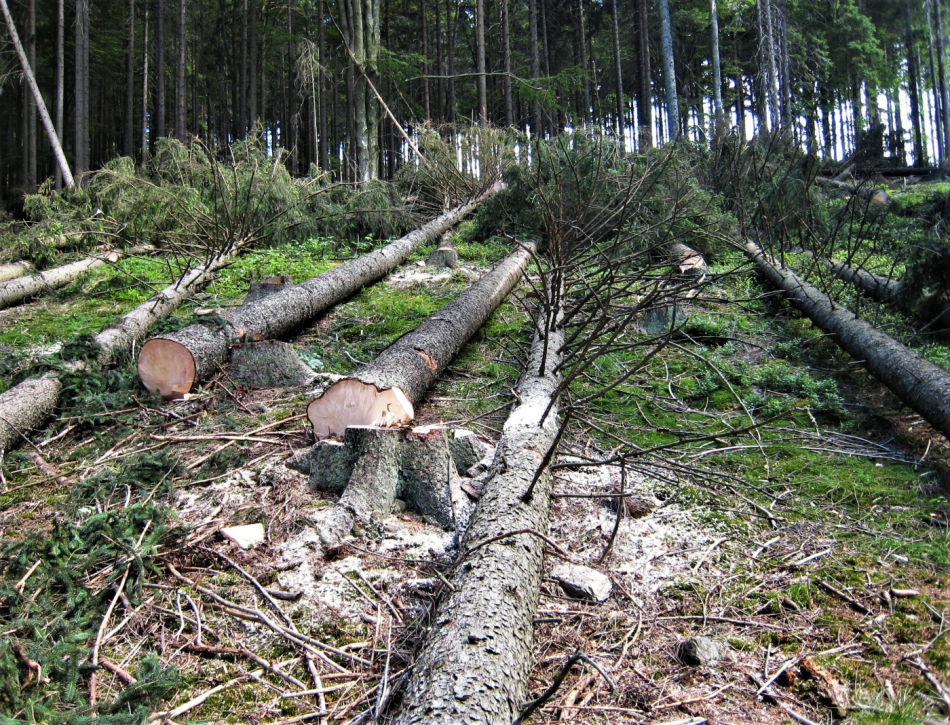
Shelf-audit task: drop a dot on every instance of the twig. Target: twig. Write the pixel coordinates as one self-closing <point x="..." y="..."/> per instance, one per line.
<point x="196" y="701"/>
<point x="578" y="656"/>
<point x="918" y="664"/>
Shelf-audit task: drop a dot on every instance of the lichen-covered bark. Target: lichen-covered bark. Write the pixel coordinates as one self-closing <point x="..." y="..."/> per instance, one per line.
<point x="280" y="314"/>
<point x="414" y="361"/>
<point x="26" y="406"/>
<point x="474" y="666"/>
<point x="13" y="270"/>
<point x="917" y="382"/>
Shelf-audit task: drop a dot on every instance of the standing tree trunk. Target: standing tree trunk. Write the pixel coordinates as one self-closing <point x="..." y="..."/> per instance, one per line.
<point x="942" y="80"/>
<point x="82" y="86"/>
<point x="582" y="60"/>
<point x="361" y="33"/>
<point x="159" y="130"/>
<point x="252" y="63"/>
<point x="669" y="71"/>
<point x="719" y="121"/>
<point x="475" y="662"/>
<point x="424" y="22"/>
<point x="30" y="101"/>
<point x="645" y="87"/>
<point x="920" y="152"/>
<point x="145" y="85"/>
<point x="322" y="105"/>
<point x="180" y="88"/>
<point x="59" y="82"/>
<point x="242" y="81"/>
<point x="535" y="64"/>
<point x="618" y="70"/>
<point x="480" y="61"/>
<point x="506" y="64"/>
<point x="34" y="89"/>
<point x="172" y="364"/>
<point x="128" y="122"/>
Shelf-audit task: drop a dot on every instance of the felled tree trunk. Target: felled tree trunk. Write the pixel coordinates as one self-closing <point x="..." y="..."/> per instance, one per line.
<point x="14" y="270"/>
<point x="875" y="196"/>
<point x="17" y="290"/>
<point x="690" y="261"/>
<point x="875" y="286"/>
<point x="920" y="384"/>
<point x="133" y="327"/>
<point x="29" y="404"/>
<point x="474" y="666"/>
<point x="172" y="364"/>
<point x="386" y="391"/>
<point x="25" y="406"/>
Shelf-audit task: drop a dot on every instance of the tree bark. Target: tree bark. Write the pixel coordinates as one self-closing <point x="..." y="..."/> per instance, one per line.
<point x="618" y="71"/>
<point x="480" y="62"/>
<point x="876" y="196"/>
<point x="26" y="406"/>
<point x="58" y="91"/>
<point x="180" y="90"/>
<point x="13" y="270"/>
<point x="159" y="129"/>
<point x="387" y="390"/>
<point x="474" y="666"/>
<point x="34" y="89"/>
<point x="31" y="101"/>
<point x="128" y="122"/>
<point x="920" y="384"/>
<point x="82" y="86"/>
<point x="645" y="89"/>
<point x="535" y="64"/>
<point x="506" y="64"/>
<point x="920" y="154"/>
<point x="17" y="290"/>
<point x="172" y="364"/>
<point x="669" y="71"/>
<point x="718" y="128"/>
<point x="942" y="80"/>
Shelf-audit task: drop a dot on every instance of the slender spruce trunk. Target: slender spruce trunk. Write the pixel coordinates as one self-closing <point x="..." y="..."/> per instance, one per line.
<point x="159" y="69"/>
<point x="480" y="61"/>
<point x="128" y="125"/>
<point x="180" y="87"/>
<point x="669" y="71"/>
<point x="920" y="152"/>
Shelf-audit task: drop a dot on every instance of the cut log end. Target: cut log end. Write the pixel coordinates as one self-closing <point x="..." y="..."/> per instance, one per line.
<point x="166" y="367"/>
<point x="351" y="402"/>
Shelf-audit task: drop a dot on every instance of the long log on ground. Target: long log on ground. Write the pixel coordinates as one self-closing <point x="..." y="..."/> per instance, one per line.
<point x="874" y="195"/>
<point x="172" y="364"/>
<point x="12" y="270"/>
<point x="474" y="666"/>
<point x="28" y="404"/>
<point x="876" y="286"/>
<point x="920" y="384"/>
<point x="17" y="290"/>
<point x="386" y="391"/>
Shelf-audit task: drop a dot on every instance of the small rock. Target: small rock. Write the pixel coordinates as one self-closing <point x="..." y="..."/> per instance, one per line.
<point x="700" y="651"/>
<point x="245" y="536"/>
<point x="582" y="582"/>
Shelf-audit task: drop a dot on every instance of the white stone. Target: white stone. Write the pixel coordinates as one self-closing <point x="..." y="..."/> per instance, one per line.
<point x="582" y="582"/>
<point x="245" y="536"/>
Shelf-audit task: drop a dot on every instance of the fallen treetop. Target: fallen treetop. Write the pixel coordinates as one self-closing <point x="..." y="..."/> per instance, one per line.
<point x="172" y="364"/>
<point x="386" y="390"/>
<point x="919" y="383"/>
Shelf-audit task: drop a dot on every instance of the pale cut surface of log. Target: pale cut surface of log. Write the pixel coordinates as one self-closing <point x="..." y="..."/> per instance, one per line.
<point x="12" y="270"/>
<point x="280" y="314"/>
<point x="920" y="384"/>
<point x="474" y="666"/>
<point x="351" y="402"/>
<point x="25" y="407"/>
<point x="689" y="260"/>
<point x="413" y="362"/>
<point x="17" y="290"/>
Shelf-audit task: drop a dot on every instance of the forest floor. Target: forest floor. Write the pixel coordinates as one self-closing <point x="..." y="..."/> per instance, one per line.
<point x="813" y="549"/>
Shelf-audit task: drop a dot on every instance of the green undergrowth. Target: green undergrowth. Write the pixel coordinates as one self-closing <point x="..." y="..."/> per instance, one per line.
<point x="57" y="584"/>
